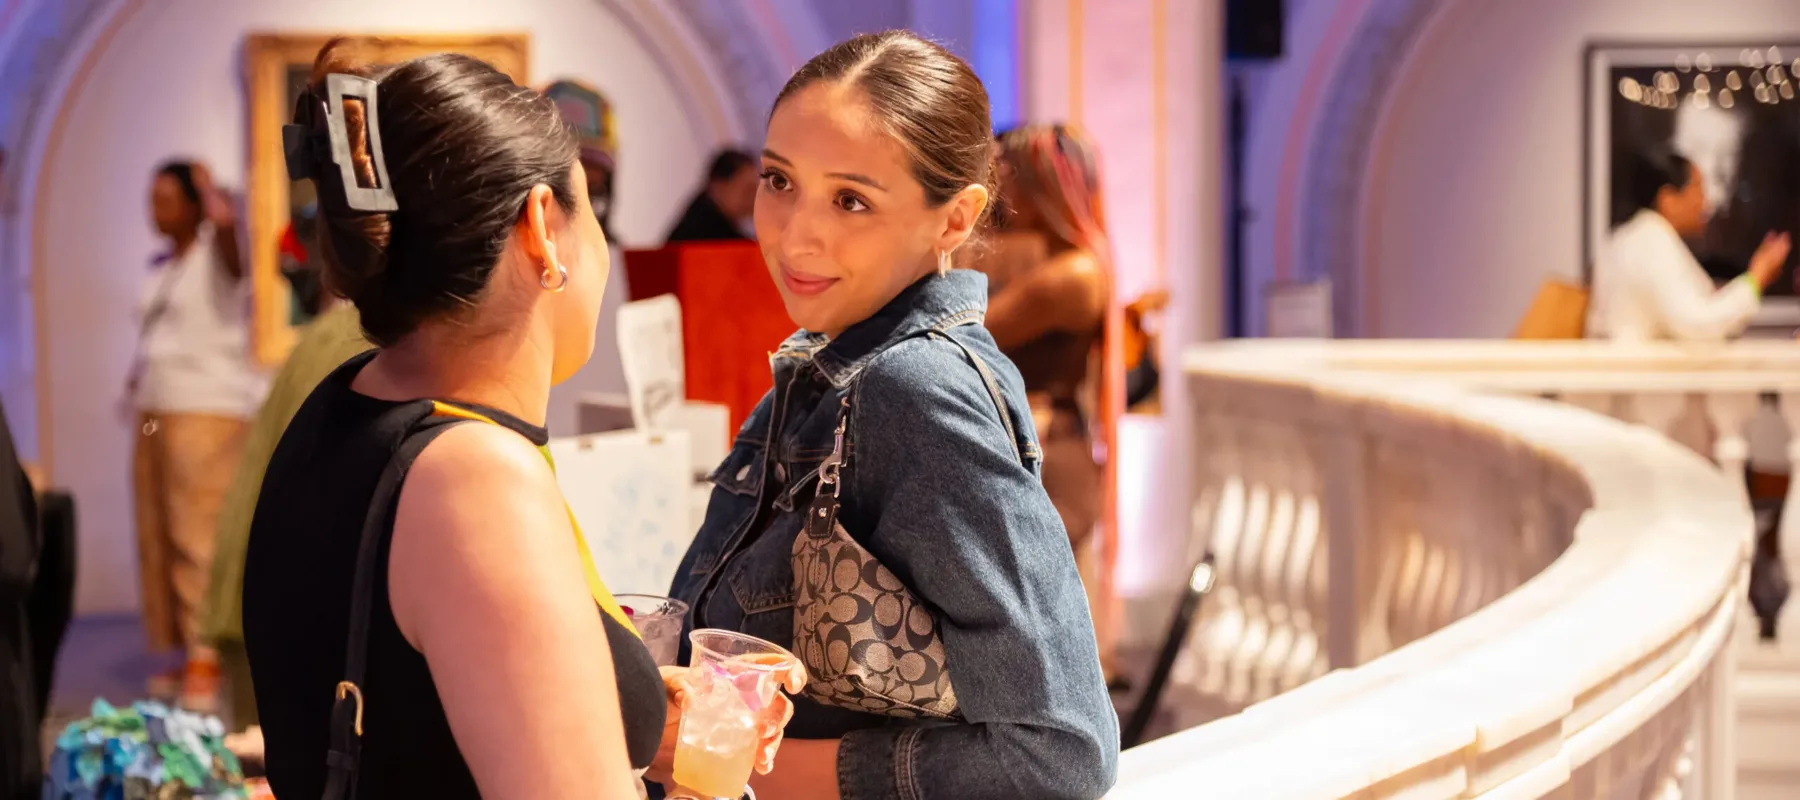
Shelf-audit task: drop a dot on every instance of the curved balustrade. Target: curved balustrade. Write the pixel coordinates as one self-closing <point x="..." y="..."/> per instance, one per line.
<point x="1428" y="592"/>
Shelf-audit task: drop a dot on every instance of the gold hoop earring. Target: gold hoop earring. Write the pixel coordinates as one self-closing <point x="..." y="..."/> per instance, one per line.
<point x="943" y="262"/>
<point x="544" y="279"/>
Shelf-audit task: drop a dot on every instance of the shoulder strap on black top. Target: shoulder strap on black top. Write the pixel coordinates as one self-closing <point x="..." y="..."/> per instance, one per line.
<point x="344" y="757"/>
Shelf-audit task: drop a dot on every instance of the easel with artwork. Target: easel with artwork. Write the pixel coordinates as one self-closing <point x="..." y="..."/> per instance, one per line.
<point x="276" y="69"/>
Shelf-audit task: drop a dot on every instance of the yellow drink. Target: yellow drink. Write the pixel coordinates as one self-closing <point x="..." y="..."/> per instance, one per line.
<point x="713" y="773"/>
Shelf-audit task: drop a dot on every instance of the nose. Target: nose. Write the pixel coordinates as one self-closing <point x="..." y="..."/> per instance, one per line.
<point x="804" y="234"/>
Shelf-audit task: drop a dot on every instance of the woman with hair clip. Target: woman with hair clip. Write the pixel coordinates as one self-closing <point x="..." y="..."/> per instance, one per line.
<point x="881" y="512"/>
<point x="420" y="615"/>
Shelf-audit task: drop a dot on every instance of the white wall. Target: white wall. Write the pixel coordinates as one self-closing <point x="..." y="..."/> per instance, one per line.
<point x="170" y="85"/>
<point x="1475" y="192"/>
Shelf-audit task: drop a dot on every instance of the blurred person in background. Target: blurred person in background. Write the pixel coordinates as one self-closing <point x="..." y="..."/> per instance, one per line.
<point x="1648" y="285"/>
<point x="1049" y="314"/>
<point x="721" y="211"/>
<point x="333" y="336"/>
<point x="21" y="762"/>
<point x="193" y="387"/>
<point x="590" y="115"/>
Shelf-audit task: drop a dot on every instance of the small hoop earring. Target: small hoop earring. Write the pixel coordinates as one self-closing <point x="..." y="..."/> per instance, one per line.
<point x="943" y="262"/>
<point x="544" y="279"/>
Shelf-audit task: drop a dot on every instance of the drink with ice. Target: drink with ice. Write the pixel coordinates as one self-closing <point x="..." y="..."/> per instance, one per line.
<point x="733" y="680"/>
<point x="658" y="621"/>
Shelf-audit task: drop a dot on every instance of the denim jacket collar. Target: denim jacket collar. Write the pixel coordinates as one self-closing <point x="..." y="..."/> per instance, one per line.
<point x="936" y="302"/>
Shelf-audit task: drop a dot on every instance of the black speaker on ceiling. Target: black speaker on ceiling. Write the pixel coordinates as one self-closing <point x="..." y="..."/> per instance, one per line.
<point x="1254" y="29"/>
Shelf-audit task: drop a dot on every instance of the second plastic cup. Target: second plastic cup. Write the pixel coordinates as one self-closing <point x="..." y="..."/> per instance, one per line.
<point x="734" y="680"/>
<point x="658" y="621"/>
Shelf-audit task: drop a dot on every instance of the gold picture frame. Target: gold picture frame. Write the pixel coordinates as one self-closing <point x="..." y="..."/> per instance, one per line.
<point x="275" y="67"/>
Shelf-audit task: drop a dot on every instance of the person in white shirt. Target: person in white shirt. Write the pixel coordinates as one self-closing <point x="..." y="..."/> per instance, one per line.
<point x="193" y="388"/>
<point x="1649" y="286"/>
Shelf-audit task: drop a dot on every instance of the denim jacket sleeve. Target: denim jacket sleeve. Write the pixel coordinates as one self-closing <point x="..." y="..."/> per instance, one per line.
<point x="951" y="509"/>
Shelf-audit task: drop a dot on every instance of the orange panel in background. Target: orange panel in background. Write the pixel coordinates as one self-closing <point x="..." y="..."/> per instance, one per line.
<point x="731" y="317"/>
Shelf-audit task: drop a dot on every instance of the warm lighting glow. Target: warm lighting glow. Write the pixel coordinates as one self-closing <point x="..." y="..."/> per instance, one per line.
<point x="1787" y="91"/>
<point x="1702" y="84"/>
<point x="1762" y="94"/>
<point x="1701" y="100"/>
<point x="1682" y="64"/>
<point x="1631" y="90"/>
<point x="1733" y="82"/>
<point x="1777" y="74"/>
<point x="1666" y="82"/>
<point x="1704" y="62"/>
<point x="1774" y="55"/>
<point x="1726" y="99"/>
<point x="1756" y="60"/>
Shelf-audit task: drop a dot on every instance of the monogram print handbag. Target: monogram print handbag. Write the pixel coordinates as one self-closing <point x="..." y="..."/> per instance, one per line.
<point x="867" y="642"/>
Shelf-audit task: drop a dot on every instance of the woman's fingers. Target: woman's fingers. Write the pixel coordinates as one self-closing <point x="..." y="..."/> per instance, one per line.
<point x="771" y="735"/>
<point x="795" y="679"/>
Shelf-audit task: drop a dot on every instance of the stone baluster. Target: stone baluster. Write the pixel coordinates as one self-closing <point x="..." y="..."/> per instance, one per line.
<point x="1730" y="412"/>
<point x="1657" y="411"/>
<point x="1252" y="543"/>
<point x="1220" y="630"/>
<point x="1789" y="534"/>
<point x="1305" y="576"/>
<point x="1280" y="471"/>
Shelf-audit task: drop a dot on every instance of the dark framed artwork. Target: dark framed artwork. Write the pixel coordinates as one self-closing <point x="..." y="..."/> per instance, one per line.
<point x="1733" y="109"/>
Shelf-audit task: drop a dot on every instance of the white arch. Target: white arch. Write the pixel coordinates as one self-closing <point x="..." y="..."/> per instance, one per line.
<point x="726" y="77"/>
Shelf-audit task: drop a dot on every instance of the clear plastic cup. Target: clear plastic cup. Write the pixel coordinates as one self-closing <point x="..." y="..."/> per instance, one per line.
<point x="733" y="682"/>
<point x="658" y="621"/>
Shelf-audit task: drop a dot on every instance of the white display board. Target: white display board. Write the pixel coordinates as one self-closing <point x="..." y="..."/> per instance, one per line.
<point x="1298" y="310"/>
<point x="633" y="494"/>
<point x="650" y="351"/>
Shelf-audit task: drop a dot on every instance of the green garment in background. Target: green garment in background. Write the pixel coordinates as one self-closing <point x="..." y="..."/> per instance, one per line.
<point x="330" y="340"/>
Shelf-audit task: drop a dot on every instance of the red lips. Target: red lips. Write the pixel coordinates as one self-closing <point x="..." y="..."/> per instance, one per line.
<point x="805" y="283"/>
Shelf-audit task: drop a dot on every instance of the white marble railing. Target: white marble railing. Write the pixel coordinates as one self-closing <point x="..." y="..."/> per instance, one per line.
<point x="1737" y="402"/>
<point x="1424" y="591"/>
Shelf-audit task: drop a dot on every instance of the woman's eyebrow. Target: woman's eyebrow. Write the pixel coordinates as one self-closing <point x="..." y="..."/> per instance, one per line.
<point x="852" y="177"/>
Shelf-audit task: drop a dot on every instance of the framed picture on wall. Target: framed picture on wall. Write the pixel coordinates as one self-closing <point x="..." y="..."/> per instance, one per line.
<point x="1732" y="109"/>
<point x="276" y="69"/>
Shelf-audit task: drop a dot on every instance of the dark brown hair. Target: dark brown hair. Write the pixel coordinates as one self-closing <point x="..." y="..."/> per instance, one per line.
<point x="182" y="172"/>
<point x="464" y="146"/>
<point x="927" y="99"/>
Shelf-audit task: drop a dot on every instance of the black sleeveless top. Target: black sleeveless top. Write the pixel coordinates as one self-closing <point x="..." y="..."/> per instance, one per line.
<point x="297" y="587"/>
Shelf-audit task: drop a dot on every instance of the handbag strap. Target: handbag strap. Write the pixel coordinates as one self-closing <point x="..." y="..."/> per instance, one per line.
<point x="831" y="469"/>
<point x="993" y="387"/>
<point x="344" y="757"/>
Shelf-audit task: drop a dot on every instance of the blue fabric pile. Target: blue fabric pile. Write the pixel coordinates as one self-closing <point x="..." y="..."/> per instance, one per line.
<point x="145" y="752"/>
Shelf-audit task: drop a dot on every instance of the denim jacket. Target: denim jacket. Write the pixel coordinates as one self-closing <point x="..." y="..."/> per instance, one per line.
<point x="936" y="490"/>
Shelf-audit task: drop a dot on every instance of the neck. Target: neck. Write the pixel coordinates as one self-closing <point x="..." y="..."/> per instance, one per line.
<point x="504" y="371"/>
<point x="184" y="240"/>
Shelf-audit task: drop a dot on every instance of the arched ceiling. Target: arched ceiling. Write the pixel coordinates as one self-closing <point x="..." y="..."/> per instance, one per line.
<point x="1337" y="161"/>
<point x="41" y="37"/>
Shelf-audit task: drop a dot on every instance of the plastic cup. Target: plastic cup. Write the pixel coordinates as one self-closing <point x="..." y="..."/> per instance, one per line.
<point x="658" y="621"/>
<point x="733" y="682"/>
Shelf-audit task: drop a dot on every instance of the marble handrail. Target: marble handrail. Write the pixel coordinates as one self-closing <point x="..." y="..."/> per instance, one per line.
<point x="1490" y="596"/>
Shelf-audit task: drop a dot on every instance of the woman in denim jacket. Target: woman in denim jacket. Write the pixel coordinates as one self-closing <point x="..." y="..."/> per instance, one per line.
<point x="877" y="165"/>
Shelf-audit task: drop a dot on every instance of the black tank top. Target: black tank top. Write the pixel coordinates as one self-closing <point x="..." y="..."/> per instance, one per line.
<point x="297" y="586"/>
